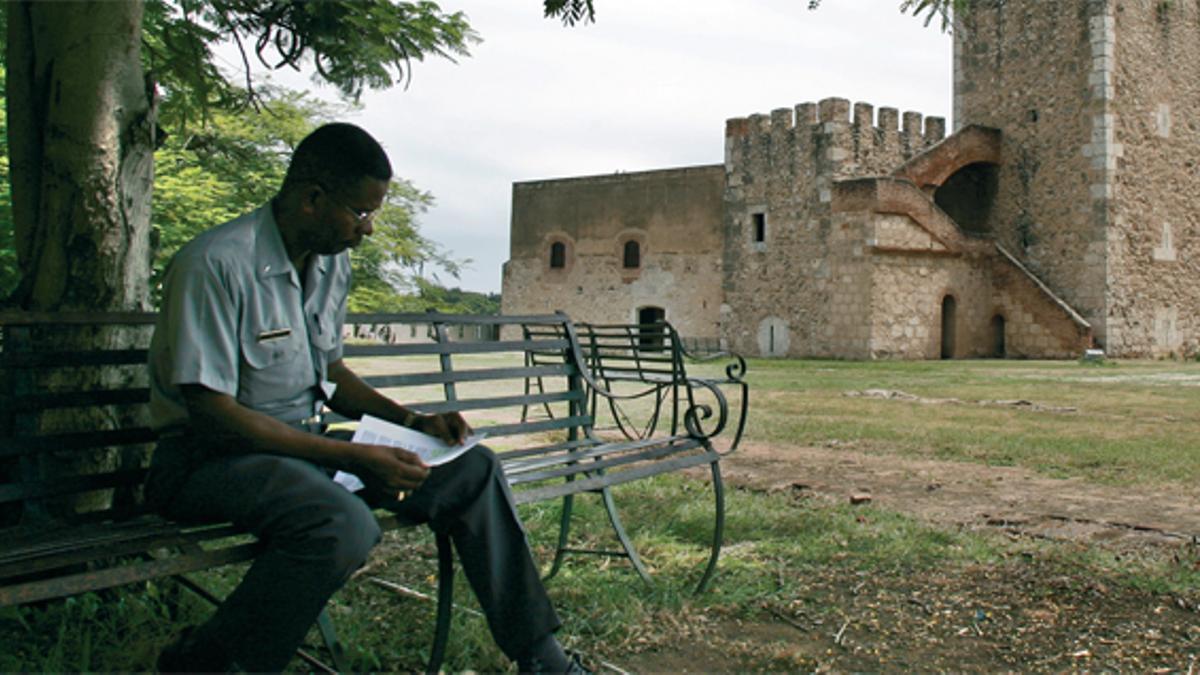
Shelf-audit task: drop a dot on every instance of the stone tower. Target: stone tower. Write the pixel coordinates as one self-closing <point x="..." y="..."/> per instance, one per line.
<point x="1098" y="102"/>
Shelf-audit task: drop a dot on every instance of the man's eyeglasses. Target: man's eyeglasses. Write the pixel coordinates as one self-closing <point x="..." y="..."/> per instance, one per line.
<point x="361" y="216"/>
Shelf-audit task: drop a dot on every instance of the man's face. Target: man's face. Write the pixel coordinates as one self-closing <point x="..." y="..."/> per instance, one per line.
<point x="344" y="217"/>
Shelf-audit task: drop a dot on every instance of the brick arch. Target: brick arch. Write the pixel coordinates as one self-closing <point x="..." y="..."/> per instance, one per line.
<point x="973" y="144"/>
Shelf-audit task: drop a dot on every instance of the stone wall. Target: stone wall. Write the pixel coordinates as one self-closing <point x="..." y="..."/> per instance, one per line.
<point x="1038" y="71"/>
<point x="674" y="216"/>
<point x="1154" y="253"/>
<point x="798" y="287"/>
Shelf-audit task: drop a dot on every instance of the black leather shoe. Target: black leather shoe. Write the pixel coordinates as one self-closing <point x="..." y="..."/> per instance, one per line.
<point x="536" y="667"/>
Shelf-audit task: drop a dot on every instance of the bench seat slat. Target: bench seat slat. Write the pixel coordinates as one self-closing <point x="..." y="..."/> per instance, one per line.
<point x="600" y="458"/>
<point x="577" y="450"/>
<point x="126" y="573"/>
<point x="612" y="478"/>
<point x="74" y="546"/>
<point x="510" y="455"/>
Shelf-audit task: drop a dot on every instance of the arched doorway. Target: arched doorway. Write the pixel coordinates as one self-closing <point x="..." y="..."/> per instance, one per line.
<point x="650" y="329"/>
<point x="998" y="347"/>
<point x="949" y="309"/>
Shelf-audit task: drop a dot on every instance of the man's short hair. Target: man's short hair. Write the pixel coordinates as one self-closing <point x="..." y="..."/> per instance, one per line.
<point x="336" y="156"/>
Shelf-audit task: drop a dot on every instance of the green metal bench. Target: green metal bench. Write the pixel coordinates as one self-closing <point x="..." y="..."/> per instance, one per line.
<point x="74" y="445"/>
<point x="533" y="391"/>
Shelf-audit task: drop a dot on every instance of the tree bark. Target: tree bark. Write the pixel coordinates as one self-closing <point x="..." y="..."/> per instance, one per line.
<point x="81" y="124"/>
<point x="81" y="141"/>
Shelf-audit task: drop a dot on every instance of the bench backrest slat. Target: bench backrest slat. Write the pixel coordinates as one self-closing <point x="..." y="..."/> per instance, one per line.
<point x="476" y="365"/>
<point x="17" y="446"/>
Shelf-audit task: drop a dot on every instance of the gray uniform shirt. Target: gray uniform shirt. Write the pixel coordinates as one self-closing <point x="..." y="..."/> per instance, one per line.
<point x="236" y="319"/>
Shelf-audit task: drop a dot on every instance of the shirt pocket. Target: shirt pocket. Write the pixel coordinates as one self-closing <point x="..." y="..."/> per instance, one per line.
<point x="324" y="327"/>
<point x="275" y="372"/>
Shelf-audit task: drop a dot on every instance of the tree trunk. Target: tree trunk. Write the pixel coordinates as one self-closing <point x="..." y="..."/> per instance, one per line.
<point x="81" y="123"/>
<point x="81" y="141"/>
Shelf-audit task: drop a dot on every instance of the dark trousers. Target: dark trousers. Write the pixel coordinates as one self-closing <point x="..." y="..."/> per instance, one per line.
<point x="317" y="534"/>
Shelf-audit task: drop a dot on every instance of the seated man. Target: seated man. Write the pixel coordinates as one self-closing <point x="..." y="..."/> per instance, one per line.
<point x="246" y="352"/>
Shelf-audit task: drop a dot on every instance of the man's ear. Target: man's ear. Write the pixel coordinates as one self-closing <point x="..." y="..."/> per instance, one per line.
<point x="309" y="197"/>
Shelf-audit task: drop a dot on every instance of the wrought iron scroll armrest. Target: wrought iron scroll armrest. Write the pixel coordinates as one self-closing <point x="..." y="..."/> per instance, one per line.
<point x="698" y="414"/>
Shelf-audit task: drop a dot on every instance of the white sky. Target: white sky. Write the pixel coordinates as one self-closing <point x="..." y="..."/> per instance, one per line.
<point x="648" y="86"/>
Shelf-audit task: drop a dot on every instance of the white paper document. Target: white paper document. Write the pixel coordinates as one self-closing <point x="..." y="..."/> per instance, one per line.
<point x="432" y="450"/>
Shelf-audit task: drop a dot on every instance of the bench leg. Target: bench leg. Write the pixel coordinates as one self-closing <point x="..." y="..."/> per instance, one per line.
<point x="630" y="552"/>
<point x="718" y="527"/>
<point x="336" y="653"/>
<point x="564" y="530"/>
<point x="441" y="634"/>
<point x="610" y="507"/>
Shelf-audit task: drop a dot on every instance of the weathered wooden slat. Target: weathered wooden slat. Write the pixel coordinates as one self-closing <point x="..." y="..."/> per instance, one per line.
<point x="76" y="399"/>
<point x="72" y="359"/>
<point x="101" y="543"/>
<point x="10" y="317"/>
<point x="77" y="440"/>
<point x="125" y="573"/>
<point x="68" y="485"/>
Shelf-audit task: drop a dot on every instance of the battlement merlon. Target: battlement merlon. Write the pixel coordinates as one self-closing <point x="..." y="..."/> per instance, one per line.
<point x="837" y="111"/>
<point x="833" y="136"/>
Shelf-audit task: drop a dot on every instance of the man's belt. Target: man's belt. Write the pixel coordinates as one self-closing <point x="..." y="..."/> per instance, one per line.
<point x="314" y="424"/>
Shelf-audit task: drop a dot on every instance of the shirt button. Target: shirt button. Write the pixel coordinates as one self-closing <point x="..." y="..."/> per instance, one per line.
<point x="267" y="268"/>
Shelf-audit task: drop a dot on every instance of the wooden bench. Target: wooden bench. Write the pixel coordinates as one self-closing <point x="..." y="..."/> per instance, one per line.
<point x="71" y="524"/>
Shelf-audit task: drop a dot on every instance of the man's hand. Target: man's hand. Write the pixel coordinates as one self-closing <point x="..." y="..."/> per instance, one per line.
<point x="395" y="469"/>
<point x="450" y="427"/>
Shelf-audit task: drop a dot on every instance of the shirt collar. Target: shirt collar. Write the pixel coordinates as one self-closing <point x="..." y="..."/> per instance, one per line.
<point x="270" y="256"/>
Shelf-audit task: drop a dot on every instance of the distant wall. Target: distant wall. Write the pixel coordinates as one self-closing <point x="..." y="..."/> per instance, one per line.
<point x="674" y="218"/>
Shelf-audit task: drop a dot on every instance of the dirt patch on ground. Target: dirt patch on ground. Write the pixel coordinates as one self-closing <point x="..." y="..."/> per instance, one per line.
<point x="1021" y="614"/>
<point x="973" y="495"/>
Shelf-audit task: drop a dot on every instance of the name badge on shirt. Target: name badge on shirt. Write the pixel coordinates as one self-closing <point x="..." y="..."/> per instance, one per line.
<point x="277" y="334"/>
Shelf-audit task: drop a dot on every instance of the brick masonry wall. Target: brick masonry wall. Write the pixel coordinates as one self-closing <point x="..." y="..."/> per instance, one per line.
<point x="1036" y="70"/>
<point x="1154" y="303"/>
<point x="803" y="290"/>
<point x="673" y="214"/>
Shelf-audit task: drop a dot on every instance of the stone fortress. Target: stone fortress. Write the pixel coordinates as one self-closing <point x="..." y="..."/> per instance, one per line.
<point x="1059" y="215"/>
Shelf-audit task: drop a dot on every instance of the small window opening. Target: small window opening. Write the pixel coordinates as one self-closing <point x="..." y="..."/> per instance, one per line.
<point x="558" y="255"/>
<point x="760" y="227"/>
<point x="633" y="255"/>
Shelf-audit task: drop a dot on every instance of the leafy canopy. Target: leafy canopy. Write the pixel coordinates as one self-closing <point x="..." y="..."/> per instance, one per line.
<point x="235" y="162"/>
<point x="351" y="44"/>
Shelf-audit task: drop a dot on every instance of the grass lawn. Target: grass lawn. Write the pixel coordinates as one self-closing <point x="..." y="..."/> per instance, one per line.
<point x="803" y="584"/>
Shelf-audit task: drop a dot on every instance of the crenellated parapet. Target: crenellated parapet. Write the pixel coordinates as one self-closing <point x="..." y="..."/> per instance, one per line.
<point x="831" y="137"/>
